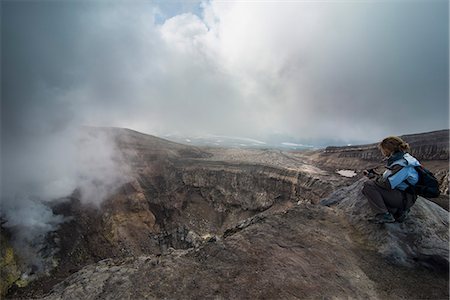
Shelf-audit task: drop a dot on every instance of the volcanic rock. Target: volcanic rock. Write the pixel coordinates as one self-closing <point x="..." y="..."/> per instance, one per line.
<point x="303" y="252"/>
<point x="421" y="239"/>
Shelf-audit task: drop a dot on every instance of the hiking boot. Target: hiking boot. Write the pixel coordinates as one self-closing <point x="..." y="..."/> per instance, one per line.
<point x="403" y="216"/>
<point x="383" y="218"/>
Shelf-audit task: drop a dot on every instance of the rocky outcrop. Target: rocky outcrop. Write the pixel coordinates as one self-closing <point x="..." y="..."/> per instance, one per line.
<point x="422" y="239"/>
<point x="256" y="261"/>
<point x="305" y="252"/>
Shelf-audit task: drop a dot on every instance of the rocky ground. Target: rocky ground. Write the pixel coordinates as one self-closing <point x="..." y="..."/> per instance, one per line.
<point x="305" y="251"/>
<point x="232" y="223"/>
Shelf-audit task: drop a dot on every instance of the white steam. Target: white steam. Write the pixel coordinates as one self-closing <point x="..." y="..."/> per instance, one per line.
<point x="100" y="168"/>
<point x="49" y="169"/>
<point x="29" y="221"/>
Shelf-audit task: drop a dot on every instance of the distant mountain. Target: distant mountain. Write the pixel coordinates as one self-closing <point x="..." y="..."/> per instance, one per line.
<point x="210" y="140"/>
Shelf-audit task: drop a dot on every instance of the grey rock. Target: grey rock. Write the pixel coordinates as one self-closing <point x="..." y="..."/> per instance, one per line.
<point x="422" y="239"/>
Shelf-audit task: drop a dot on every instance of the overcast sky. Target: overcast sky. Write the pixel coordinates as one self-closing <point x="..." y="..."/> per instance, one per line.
<point x="349" y="70"/>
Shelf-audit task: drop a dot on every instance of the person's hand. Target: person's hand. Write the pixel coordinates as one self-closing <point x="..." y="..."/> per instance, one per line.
<point x="369" y="173"/>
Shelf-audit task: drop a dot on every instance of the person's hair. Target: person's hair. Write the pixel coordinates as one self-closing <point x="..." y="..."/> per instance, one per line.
<point x="393" y="144"/>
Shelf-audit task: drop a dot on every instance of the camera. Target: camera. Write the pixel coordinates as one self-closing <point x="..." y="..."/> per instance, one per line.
<point x="370" y="173"/>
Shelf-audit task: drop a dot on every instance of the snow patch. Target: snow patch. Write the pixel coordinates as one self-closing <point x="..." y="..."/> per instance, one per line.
<point x="346" y="173"/>
<point x="295" y="145"/>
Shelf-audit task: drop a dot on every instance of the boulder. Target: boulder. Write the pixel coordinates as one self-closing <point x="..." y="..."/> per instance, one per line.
<point x="422" y="239"/>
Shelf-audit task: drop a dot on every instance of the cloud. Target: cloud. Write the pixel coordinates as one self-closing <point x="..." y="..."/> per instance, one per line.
<point x="338" y="69"/>
<point x="313" y="70"/>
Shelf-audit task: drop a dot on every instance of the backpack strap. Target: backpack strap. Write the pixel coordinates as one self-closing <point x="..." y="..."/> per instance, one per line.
<point x="411" y="189"/>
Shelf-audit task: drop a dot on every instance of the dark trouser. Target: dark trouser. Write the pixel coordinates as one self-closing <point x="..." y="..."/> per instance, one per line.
<point x="383" y="200"/>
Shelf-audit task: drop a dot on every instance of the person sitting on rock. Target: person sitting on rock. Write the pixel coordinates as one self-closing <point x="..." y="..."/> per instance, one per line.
<point x="386" y="193"/>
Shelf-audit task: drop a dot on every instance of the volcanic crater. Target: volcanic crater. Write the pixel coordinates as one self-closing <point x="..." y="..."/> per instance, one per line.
<point x="220" y="223"/>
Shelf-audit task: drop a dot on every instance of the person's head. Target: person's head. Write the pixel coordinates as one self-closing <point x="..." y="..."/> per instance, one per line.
<point x="392" y="144"/>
